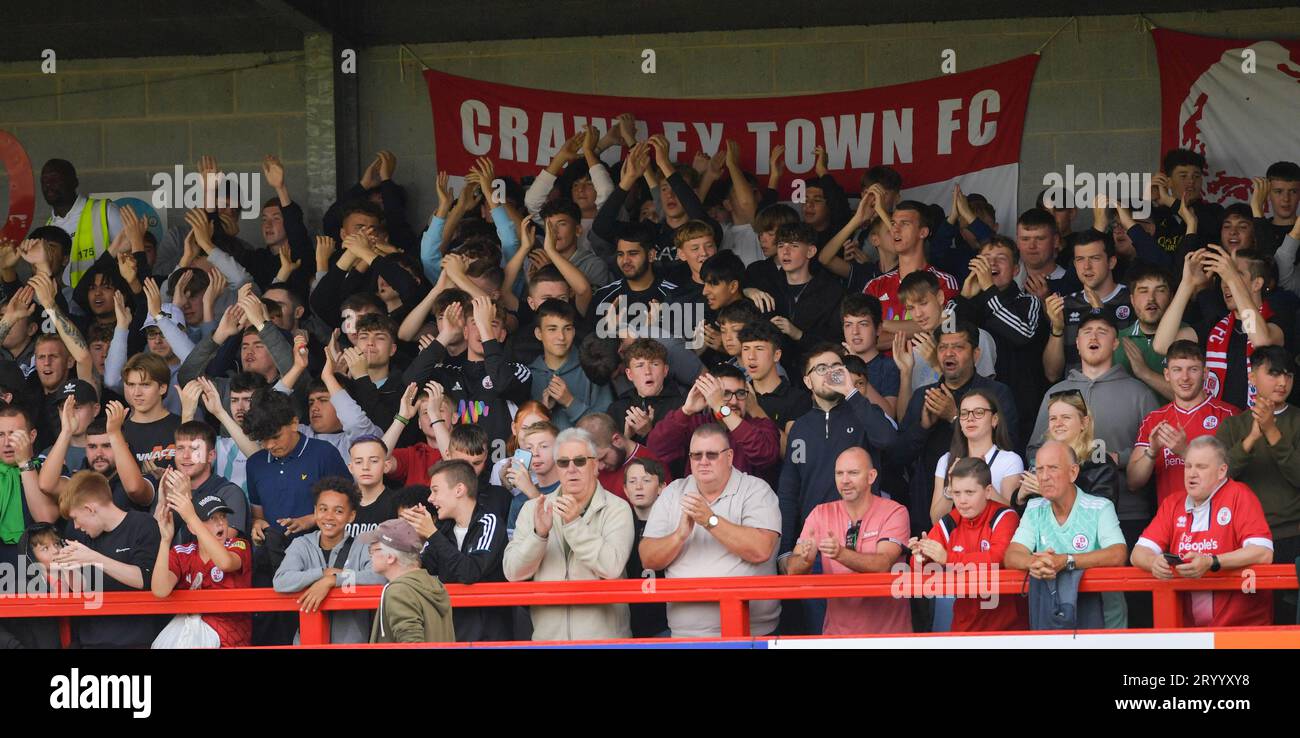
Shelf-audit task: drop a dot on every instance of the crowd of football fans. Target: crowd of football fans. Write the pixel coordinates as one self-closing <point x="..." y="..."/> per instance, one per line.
<point x="628" y="367"/>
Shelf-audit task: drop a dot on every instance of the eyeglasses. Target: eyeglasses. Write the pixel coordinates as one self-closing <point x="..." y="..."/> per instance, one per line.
<point x="821" y="369"/>
<point x="742" y="394"/>
<point x="579" y="461"/>
<point x="977" y="413"/>
<point x="851" y="535"/>
<point x="710" y="455"/>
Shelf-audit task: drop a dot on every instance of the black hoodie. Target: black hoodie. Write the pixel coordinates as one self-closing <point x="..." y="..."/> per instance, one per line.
<point x="477" y="559"/>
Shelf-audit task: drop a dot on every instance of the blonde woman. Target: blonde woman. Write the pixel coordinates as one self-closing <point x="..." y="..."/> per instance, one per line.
<point x="1070" y="422"/>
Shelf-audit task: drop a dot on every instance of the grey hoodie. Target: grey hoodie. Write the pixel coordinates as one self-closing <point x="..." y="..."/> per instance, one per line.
<point x="1118" y="404"/>
<point x="588" y="397"/>
<point x="304" y="563"/>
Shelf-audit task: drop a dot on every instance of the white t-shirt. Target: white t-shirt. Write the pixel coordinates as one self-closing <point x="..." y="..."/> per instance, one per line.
<point x="1002" y="464"/>
<point x="460" y="535"/>
<point x="742" y="240"/>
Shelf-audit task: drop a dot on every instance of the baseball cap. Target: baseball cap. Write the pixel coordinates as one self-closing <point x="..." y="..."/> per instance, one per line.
<point x="211" y="505"/>
<point x="397" y="534"/>
<point x="169" y="310"/>
<point x="83" y="391"/>
<point x="1099" y="315"/>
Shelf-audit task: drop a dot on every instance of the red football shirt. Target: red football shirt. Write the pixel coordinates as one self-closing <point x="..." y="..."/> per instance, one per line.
<point x="1202" y="420"/>
<point x="1230" y="519"/>
<point x="412" y="464"/>
<point x="885" y="289"/>
<point x="187" y="563"/>
<point x="982" y="540"/>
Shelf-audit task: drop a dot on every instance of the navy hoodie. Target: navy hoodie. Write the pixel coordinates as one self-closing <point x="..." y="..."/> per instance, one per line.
<point x="815" y="441"/>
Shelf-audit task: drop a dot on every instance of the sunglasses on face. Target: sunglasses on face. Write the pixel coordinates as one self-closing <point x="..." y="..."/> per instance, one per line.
<point x="579" y="461"/>
<point x="710" y="455"/>
<point x="851" y="535"/>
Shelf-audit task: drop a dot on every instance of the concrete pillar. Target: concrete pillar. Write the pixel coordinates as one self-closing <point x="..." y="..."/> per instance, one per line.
<point x="332" y="123"/>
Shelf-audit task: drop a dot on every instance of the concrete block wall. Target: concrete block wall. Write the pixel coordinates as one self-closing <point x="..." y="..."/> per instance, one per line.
<point x="1094" y="102"/>
<point x="120" y="121"/>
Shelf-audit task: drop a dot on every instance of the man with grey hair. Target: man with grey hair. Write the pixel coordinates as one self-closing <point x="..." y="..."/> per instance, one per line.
<point x="717" y="522"/>
<point x="414" y="606"/>
<point x="1216" y="523"/>
<point x="1067" y="528"/>
<point x="579" y="531"/>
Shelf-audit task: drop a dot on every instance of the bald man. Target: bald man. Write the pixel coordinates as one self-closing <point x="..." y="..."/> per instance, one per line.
<point x="1067" y="529"/>
<point x="855" y="534"/>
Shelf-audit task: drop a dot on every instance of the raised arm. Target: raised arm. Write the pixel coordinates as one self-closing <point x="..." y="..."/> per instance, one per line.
<point x="137" y="488"/>
<point x="46" y="289"/>
<point x="573" y="275"/>
<point x="415" y="320"/>
<point x="1259" y="332"/>
<point x="51" y="473"/>
<point x="1194" y="280"/>
<point x="829" y="256"/>
<point x="527" y="234"/>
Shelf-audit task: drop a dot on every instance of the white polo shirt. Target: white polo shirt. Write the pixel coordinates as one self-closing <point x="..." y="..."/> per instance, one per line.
<point x="746" y="500"/>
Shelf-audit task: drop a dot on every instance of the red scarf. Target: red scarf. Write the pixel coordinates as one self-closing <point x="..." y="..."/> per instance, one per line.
<point x="1216" y="354"/>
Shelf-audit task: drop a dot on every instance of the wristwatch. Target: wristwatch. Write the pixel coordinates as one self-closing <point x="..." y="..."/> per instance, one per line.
<point x="1214" y="564"/>
<point x="1069" y="562"/>
<point x="725" y="411"/>
<point x="711" y="523"/>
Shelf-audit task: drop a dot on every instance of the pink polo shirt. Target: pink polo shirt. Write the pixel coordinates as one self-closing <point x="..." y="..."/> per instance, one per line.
<point x="885" y="520"/>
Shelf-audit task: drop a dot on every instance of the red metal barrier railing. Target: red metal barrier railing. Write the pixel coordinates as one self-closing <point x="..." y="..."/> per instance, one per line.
<point x="733" y="595"/>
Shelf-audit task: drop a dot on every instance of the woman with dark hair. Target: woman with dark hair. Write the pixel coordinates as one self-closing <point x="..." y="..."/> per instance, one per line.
<point x="979" y="433"/>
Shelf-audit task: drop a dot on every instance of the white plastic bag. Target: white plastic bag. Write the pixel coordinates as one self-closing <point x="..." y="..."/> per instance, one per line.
<point x="187" y="631"/>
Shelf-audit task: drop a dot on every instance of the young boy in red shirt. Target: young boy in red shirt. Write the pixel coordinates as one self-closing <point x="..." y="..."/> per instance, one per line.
<point x="976" y="531"/>
<point x="217" y="560"/>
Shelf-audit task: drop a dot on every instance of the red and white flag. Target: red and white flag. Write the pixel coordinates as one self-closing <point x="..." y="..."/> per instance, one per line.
<point x="955" y="128"/>
<point x="1235" y="101"/>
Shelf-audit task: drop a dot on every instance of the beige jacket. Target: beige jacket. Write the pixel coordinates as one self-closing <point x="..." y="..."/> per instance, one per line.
<point x="596" y="545"/>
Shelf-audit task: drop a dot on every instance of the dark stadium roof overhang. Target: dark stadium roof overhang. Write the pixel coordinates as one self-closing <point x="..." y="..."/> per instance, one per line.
<point x="79" y="29"/>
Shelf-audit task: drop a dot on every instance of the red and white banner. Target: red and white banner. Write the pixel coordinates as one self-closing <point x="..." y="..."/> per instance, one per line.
<point x="22" y="189"/>
<point x="960" y="127"/>
<point x="1235" y="101"/>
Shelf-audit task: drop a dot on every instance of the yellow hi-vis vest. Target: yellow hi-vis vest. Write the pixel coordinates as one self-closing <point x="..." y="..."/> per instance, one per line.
<point x="90" y="240"/>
